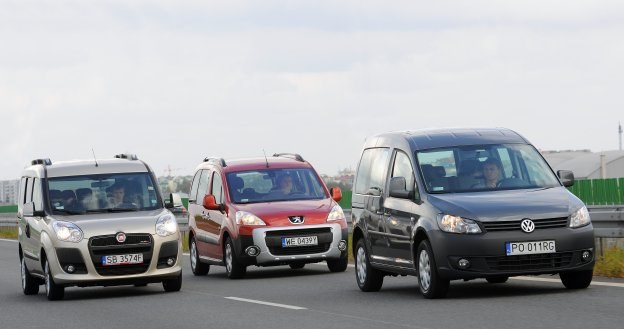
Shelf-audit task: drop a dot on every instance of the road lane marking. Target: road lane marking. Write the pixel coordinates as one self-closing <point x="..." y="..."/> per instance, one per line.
<point x="594" y="283"/>
<point x="290" y="307"/>
<point x="8" y="240"/>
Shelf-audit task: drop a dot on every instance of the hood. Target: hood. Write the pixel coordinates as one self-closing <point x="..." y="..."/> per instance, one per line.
<point x="111" y="223"/>
<point x="508" y="205"/>
<point x="277" y="213"/>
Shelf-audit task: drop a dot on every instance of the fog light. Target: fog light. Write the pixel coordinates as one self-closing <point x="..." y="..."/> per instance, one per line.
<point x="463" y="263"/>
<point x="170" y="261"/>
<point x="252" y="251"/>
<point x="586" y="255"/>
<point x="342" y="245"/>
<point x="70" y="268"/>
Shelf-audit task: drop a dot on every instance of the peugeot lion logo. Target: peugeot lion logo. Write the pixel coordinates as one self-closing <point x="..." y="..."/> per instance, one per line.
<point x="527" y="225"/>
<point x="296" y="219"/>
<point x="121" y="237"/>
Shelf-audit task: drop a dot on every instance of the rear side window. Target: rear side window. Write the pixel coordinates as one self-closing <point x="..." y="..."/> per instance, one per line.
<point x="194" y="185"/>
<point x="372" y="170"/>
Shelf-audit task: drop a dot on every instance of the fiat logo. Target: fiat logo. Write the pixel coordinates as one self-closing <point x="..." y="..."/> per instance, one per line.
<point x="296" y="219"/>
<point x="527" y="225"/>
<point x="121" y="237"/>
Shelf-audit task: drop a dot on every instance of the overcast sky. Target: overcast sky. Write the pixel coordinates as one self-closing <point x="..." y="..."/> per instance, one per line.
<point x="174" y="81"/>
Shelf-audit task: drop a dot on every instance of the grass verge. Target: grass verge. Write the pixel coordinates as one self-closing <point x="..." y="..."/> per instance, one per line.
<point x="8" y="232"/>
<point x="611" y="264"/>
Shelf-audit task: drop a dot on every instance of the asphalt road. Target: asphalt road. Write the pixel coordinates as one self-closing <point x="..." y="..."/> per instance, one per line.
<point x="313" y="297"/>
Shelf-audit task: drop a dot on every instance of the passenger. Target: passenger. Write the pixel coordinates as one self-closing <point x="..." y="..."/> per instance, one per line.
<point x="284" y="185"/>
<point x="118" y="194"/>
<point x="85" y="198"/>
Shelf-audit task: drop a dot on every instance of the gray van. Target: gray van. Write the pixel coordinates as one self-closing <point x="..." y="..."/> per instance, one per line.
<point x="450" y="204"/>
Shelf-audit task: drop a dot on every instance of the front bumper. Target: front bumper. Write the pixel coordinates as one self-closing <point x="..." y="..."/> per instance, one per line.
<point x="487" y="256"/>
<point x="271" y="253"/>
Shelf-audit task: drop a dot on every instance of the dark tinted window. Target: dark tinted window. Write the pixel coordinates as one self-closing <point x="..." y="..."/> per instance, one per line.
<point x="372" y="170"/>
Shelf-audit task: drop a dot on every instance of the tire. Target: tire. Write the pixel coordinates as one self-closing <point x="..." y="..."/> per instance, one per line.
<point x="53" y="290"/>
<point x="497" y="279"/>
<point x="338" y="265"/>
<point x="197" y="266"/>
<point x="30" y="285"/>
<point x="576" y="280"/>
<point x="172" y="285"/>
<point x="429" y="282"/>
<point x="296" y="266"/>
<point x="366" y="277"/>
<point x="233" y="268"/>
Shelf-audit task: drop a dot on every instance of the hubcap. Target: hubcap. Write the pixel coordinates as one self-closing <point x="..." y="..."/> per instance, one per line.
<point x="193" y="255"/>
<point x="23" y="270"/>
<point x="47" y="278"/>
<point x="424" y="270"/>
<point x="228" y="258"/>
<point x="361" y="265"/>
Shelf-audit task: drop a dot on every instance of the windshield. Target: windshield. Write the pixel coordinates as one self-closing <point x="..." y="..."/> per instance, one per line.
<point x="484" y="168"/>
<point x="102" y="193"/>
<point x="275" y="185"/>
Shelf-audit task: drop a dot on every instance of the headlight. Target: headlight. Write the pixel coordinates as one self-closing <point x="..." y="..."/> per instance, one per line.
<point x="580" y="218"/>
<point x="66" y="231"/>
<point x="456" y="224"/>
<point x="245" y="218"/>
<point x="335" y="214"/>
<point x="166" y="225"/>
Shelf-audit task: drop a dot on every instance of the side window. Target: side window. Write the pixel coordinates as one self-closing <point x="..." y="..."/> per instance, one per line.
<point x="29" y="190"/>
<point x="202" y="188"/>
<point x="403" y="168"/>
<point x="194" y="185"/>
<point x="22" y="195"/>
<point x="217" y="187"/>
<point x="505" y="159"/>
<point x="37" y="194"/>
<point x="372" y="169"/>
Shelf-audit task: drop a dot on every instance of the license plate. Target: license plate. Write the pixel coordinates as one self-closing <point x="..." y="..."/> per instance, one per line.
<point x="531" y="247"/>
<point x="122" y="259"/>
<point x="300" y="241"/>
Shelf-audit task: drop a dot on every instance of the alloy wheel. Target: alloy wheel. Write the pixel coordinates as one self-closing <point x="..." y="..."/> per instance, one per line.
<point x="424" y="270"/>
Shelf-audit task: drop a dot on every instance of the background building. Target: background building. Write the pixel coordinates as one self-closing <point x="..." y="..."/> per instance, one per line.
<point x="9" y="190"/>
<point x="586" y="164"/>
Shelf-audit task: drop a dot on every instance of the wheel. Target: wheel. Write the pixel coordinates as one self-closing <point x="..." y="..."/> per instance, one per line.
<point x="338" y="265"/>
<point x="367" y="277"/>
<point x="172" y="285"/>
<point x="30" y="285"/>
<point x="296" y="266"/>
<point x="497" y="279"/>
<point x="233" y="268"/>
<point x="429" y="282"/>
<point x="197" y="266"/>
<point x="53" y="290"/>
<point x="576" y="280"/>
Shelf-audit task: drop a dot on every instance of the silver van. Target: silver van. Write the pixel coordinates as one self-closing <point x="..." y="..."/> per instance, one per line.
<point x="95" y="223"/>
<point x="451" y="204"/>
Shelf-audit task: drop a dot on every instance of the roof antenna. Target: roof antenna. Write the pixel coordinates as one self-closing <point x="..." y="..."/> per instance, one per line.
<point x="265" y="158"/>
<point x="94" y="159"/>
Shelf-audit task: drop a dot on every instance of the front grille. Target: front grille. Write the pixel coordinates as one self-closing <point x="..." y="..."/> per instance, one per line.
<point x="514" y="225"/>
<point x="273" y="241"/>
<point x="529" y="262"/>
<point x="107" y="245"/>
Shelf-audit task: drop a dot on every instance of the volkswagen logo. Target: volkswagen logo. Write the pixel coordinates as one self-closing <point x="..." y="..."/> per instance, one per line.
<point x="296" y="219"/>
<point x="527" y="225"/>
<point x="121" y="237"/>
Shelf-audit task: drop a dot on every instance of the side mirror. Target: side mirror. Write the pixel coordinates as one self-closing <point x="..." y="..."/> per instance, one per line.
<point x="210" y="203"/>
<point x="30" y="211"/>
<point x="397" y="188"/>
<point x="169" y="203"/>
<point x="566" y="177"/>
<point x="336" y="193"/>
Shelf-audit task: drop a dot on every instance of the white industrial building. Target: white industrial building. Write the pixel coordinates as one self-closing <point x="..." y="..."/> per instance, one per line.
<point x="9" y="190"/>
<point x="586" y="164"/>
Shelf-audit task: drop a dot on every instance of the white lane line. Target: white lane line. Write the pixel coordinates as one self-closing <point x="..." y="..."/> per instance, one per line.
<point x="594" y="283"/>
<point x="290" y="307"/>
<point x="8" y="240"/>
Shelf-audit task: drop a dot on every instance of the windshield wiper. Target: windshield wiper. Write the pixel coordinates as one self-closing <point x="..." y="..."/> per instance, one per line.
<point x="111" y="210"/>
<point x="69" y="212"/>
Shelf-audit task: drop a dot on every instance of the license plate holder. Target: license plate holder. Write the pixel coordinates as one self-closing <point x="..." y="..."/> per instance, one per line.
<point x="126" y="259"/>
<point x="299" y="241"/>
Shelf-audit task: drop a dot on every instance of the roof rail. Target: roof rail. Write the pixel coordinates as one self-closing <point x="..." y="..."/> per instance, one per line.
<point x="290" y="155"/>
<point x="45" y="162"/>
<point x="128" y="156"/>
<point x="216" y="160"/>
